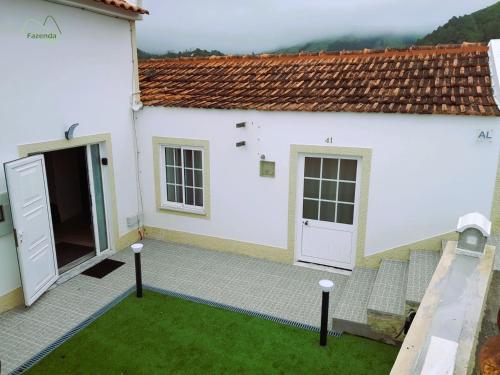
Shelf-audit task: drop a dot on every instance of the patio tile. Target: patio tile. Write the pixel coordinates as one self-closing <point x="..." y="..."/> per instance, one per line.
<point x="285" y="291"/>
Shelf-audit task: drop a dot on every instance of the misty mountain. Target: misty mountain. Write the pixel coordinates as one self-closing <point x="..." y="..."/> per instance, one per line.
<point x="351" y="42"/>
<point x="480" y="26"/>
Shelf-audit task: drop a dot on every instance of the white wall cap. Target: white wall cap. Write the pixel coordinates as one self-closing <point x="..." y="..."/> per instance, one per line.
<point x="326" y="285"/>
<point x="137" y="247"/>
<point x="440" y="357"/>
<point x="474" y="220"/>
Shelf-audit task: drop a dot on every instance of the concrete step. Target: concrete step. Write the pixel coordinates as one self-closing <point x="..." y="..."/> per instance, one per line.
<point x="386" y="307"/>
<point x="350" y="312"/>
<point x="389" y="290"/>
<point x="421" y="268"/>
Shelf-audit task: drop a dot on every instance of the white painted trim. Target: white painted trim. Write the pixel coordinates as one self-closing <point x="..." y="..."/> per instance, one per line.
<point x="103" y="9"/>
<point x="351" y="228"/>
<point x="181" y="207"/>
<point x="90" y="174"/>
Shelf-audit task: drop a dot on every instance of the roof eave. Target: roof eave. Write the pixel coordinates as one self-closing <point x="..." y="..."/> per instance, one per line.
<point x="101" y="8"/>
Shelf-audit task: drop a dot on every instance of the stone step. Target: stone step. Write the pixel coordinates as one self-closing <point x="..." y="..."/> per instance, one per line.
<point x="421" y="268"/>
<point x="351" y="308"/>
<point x="389" y="291"/>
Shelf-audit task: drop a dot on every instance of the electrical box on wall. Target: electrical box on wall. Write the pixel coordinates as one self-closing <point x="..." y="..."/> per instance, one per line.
<point x="133" y="221"/>
<point x="267" y="168"/>
<point x="5" y="216"/>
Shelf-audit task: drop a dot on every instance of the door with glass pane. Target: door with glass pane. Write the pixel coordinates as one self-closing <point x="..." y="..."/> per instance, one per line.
<point x="98" y="197"/>
<point x="328" y="193"/>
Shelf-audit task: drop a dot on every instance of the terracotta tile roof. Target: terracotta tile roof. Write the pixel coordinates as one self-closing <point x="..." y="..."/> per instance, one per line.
<point x="123" y="4"/>
<point x="447" y="79"/>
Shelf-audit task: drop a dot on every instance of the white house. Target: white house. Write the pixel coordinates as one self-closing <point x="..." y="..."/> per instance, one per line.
<point x="65" y="62"/>
<point x="334" y="159"/>
<point x="347" y="157"/>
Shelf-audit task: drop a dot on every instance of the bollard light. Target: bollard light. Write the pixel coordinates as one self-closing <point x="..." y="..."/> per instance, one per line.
<point x="326" y="288"/>
<point x="136" y="248"/>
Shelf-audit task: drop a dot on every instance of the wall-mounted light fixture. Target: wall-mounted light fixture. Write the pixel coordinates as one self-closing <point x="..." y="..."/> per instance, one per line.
<point x="69" y="134"/>
<point x="240" y="144"/>
<point x="474" y="230"/>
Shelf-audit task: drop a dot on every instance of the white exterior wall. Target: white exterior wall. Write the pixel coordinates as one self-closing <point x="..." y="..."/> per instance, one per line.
<point x="426" y="170"/>
<point x="494" y="56"/>
<point x="84" y="76"/>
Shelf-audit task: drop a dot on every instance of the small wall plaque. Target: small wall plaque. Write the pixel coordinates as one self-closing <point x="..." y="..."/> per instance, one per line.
<point x="267" y="168"/>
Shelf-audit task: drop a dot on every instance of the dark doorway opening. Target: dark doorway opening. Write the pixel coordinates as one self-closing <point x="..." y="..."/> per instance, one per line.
<point x="71" y="206"/>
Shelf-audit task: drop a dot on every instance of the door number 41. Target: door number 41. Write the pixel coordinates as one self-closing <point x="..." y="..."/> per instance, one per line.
<point x="329" y="140"/>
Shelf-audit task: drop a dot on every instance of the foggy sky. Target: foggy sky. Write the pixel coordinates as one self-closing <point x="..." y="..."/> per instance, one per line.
<point x="245" y="26"/>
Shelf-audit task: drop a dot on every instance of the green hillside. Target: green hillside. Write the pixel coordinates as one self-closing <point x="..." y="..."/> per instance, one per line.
<point x="350" y="42"/>
<point x="480" y="26"/>
<point x="143" y="55"/>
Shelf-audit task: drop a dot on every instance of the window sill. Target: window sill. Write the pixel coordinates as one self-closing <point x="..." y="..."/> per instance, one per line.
<point x="183" y="210"/>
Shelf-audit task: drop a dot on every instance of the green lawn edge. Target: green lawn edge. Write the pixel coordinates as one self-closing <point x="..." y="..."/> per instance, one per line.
<point x="167" y="335"/>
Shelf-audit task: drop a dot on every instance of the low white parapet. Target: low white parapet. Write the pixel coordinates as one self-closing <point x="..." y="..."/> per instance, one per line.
<point x="450" y="312"/>
<point x="441" y="357"/>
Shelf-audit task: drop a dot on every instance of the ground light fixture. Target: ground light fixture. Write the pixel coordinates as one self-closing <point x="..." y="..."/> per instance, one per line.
<point x="326" y="287"/>
<point x="136" y="248"/>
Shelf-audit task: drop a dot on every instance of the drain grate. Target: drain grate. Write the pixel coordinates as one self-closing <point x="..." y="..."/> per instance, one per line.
<point x="43" y="353"/>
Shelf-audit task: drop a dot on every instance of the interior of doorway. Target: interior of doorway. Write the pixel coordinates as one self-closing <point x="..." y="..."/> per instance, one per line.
<point x="71" y="206"/>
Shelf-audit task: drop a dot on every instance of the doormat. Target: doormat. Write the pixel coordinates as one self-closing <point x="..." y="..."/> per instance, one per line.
<point x="103" y="268"/>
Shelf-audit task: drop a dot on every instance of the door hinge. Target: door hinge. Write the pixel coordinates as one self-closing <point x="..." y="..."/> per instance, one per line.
<point x="15" y="238"/>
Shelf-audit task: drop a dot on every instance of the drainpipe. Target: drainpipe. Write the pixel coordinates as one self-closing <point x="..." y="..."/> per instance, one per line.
<point x="136" y="95"/>
<point x="136" y="105"/>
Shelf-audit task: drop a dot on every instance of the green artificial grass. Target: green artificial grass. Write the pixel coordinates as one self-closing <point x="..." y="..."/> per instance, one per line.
<point x="164" y="335"/>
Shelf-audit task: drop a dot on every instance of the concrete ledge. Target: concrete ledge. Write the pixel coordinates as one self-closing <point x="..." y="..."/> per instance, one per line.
<point x="128" y="239"/>
<point x="403" y="252"/>
<point x="221" y="244"/>
<point x="363" y="330"/>
<point x="386" y="324"/>
<point x="12" y="299"/>
<point x="452" y="309"/>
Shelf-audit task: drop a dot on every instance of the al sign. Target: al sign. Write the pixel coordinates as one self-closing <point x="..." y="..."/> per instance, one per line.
<point x="484" y="135"/>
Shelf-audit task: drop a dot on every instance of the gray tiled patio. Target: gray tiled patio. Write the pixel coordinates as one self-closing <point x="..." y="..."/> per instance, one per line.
<point x="280" y="290"/>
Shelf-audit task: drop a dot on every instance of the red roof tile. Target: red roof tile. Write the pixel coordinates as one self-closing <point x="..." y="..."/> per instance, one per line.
<point x="123" y="4"/>
<point x="447" y="79"/>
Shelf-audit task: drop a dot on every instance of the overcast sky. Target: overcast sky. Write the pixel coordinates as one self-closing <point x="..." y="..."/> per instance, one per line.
<point x="245" y="26"/>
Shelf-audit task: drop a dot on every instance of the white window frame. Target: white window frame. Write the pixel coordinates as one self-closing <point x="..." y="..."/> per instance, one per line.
<point x="338" y="181"/>
<point x="176" y="206"/>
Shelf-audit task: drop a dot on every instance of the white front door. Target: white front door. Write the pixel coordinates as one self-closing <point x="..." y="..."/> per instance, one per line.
<point x="327" y="210"/>
<point x="29" y="199"/>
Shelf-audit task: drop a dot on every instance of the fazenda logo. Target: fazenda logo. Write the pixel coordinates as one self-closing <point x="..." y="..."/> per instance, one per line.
<point x="49" y="30"/>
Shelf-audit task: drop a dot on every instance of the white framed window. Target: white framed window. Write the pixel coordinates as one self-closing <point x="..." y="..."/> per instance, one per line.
<point x="182" y="178"/>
